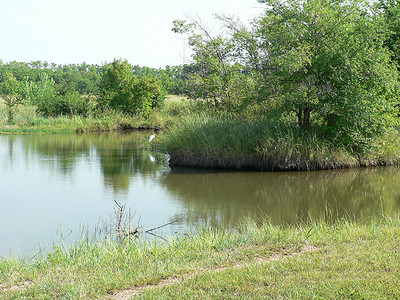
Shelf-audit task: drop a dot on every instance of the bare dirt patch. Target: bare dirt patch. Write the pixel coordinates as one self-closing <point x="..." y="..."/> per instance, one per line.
<point x="18" y="287"/>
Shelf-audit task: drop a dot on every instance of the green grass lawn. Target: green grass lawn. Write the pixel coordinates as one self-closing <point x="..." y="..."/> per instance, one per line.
<point x="323" y="261"/>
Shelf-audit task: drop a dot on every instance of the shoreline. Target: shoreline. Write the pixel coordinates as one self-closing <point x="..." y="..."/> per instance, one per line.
<point x="254" y="260"/>
<point x="215" y="142"/>
<point x="273" y="164"/>
<point x="76" y="128"/>
<point x="214" y="159"/>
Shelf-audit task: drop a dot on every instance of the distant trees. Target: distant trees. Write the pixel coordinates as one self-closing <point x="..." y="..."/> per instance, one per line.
<point x="83" y="78"/>
<point x="120" y="89"/>
<point x="10" y="89"/>
<point x="51" y="100"/>
<point x="81" y="89"/>
<point x="42" y="93"/>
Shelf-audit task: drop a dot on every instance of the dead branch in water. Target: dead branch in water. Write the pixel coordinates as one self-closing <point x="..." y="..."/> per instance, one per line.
<point x="120" y="226"/>
<point x="158" y="227"/>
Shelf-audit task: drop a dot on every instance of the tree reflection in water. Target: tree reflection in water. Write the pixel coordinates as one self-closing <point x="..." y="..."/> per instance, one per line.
<point x="121" y="155"/>
<point x="225" y="198"/>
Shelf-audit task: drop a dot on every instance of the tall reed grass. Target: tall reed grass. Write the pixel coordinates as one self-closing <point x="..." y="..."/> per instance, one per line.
<point x="215" y="141"/>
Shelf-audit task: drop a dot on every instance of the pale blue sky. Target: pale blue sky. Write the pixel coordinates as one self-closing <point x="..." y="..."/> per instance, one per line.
<point x="96" y="31"/>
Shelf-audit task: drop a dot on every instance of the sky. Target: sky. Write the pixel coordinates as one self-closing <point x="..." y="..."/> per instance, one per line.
<point x="98" y="31"/>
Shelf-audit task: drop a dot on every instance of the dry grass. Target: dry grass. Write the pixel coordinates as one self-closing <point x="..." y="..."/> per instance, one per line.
<point x="175" y="98"/>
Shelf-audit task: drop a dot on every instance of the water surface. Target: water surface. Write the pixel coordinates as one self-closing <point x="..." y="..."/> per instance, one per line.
<point x="53" y="184"/>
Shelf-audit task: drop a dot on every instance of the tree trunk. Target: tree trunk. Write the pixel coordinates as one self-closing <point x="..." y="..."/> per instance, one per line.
<point x="303" y="117"/>
<point x="216" y="101"/>
<point x="10" y="116"/>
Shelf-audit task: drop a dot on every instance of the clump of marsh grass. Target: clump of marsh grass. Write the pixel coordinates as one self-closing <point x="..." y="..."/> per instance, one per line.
<point x="220" y="141"/>
<point x="385" y="149"/>
<point x="223" y="142"/>
<point x="211" y="141"/>
<point x="287" y="147"/>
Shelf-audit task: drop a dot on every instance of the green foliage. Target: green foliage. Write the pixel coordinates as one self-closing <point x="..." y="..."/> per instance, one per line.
<point x="391" y="11"/>
<point x="326" y="64"/>
<point x="83" y="78"/>
<point x="121" y="90"/>
<point x="73" y="103"/>
<point x="212" y="76"/>
<point x="43" y="94"/>
<point x="10" y="85"/>
<point x="173" y="79"/>
<point x="327" y="61"/>
<point x="11" y="91"/>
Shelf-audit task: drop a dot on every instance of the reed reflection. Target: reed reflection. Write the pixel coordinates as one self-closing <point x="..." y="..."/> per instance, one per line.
<point x="286" y="198"/>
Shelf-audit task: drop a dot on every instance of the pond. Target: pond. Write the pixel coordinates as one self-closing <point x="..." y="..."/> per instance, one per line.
<point x="54" y="187"/>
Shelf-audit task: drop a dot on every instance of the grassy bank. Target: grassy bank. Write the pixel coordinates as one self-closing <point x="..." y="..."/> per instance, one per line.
<point x="221" y="142"/>
<point x="328" y="261"/>
<point x="27" y="120"/>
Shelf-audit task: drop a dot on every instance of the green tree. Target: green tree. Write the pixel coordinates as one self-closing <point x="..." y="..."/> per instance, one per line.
<point x="121" y="90"/>
<point x="10" y="89"/>
<point x="217" y="72"/>
<point x="172" y="78"/>
<point x="391" y="11"/>
<point x="213" y="72"/>
<point x="42" y="94"/>
<point x="326" y="62"/>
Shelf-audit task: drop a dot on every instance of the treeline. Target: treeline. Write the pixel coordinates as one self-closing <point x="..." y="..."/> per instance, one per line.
<point x="83" y="89"/>
<point x="85" y="78"/>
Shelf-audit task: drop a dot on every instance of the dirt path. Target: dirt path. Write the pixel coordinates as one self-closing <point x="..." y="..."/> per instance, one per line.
<point x="22" y="286"/>
<point x="138" y="290"/>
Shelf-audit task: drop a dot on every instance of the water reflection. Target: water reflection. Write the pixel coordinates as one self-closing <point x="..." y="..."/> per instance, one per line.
<point x="121" y="155"/>
<point x="69" y="180"/>
<point x="52" y="182"/>
<point x="290" y="198"/>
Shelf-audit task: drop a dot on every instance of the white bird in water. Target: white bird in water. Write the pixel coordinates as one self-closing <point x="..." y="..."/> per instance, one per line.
<point x="152" y="137"/>
<point x="152" y="158"/>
